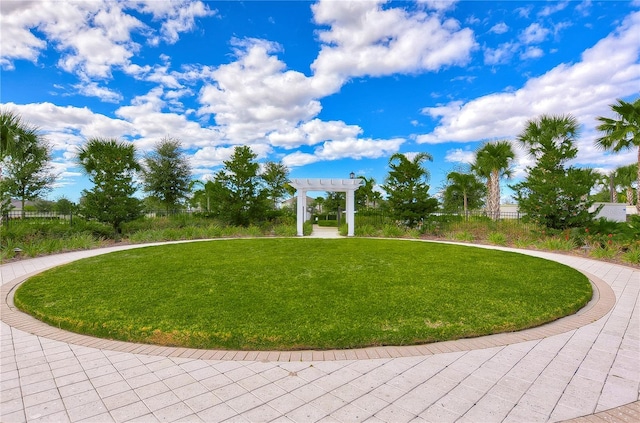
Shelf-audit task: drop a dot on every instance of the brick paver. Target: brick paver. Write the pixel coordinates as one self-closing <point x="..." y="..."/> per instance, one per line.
<point x="570" y="369"/>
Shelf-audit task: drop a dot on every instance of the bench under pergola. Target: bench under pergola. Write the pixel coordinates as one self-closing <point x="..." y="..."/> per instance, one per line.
<point x="304" y="185"/>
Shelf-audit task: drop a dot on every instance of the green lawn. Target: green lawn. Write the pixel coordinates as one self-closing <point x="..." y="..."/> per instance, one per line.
<point x="293" y="293"/>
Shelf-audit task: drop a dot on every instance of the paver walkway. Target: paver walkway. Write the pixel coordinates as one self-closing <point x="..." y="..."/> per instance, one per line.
<point x="563" y="372"/>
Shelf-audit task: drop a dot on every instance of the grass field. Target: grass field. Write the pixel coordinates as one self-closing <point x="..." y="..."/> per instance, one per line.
<point x="289" y="294"/>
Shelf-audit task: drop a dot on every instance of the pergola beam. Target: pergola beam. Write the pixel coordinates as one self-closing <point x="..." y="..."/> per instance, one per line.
<point x="303" y="185"/>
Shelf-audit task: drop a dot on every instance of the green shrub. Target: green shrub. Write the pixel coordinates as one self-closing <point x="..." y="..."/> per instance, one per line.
<point x="285" y="230"/>
<point x="463" y="236"/>
<point x="392" y="231"/>
<point x="497" y="238"/>
<point x="632" y="255"/>
<point x="603" y="252"/>
<point x="328" y="223"/>
<point x="556" y="244"/>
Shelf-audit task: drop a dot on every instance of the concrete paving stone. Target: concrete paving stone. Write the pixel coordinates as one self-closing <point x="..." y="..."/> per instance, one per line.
<point x="178" y="380"/>
<point x="310" y="373"/>
<point x="387" y="392"/>
<point x="328" y="403"/>
<point x="564" y="412"/>
<point x="523" y="414"/>
<point x="308" y="392"/>
<point x="141" y="380"/>
<point x="336" y="379"/>
<point x="114" y="388"/>
<point x="160" y="401"/>
<point x="190" y="391"/>
<point x="348" y="392"/>
<point x="9" y="406"/>
<point x="217" y="413"/>
<point x="260" y="414"/>
<point x="107" y="379"/>
<point x="204" y="373"/>
<point x="244" y="402"/>
<point x="102" y="370"/>
<point x="268" y="392"/>
<point x="86" y="410"/>
<point x="100" y="418"/>
<point x="173" y="412"/>
<point x="34" y="388"/>
<point x="370" y="403"/>
<point x="40" y="397"/>
<point x="254" y="382"/>
<point x="71" y="379"/>
<point x="290" y="383"/>
<point x="13" y="417"/>
<point x="392" y="413"/>
<point x="44" y="409"/>
<point x="75" y="388"/>
<point x="228" y="392"/>
<point x="455" y="403"/>
<point x="215" y="382"/>
<point x="489" y="408"/>
<point x="58" y="417"/>
<point x="286" y="403"/>
<point x="131" y="412"/>
<point x="351" y="413"/>
<point x="151" y="390"/>
<point x="437" y="413"/>
<point x="279" y="372"/>
<point x="120" y="400"/>
<point x="535" y="404"/>
<point x="203" y="401"/>
<point x="27" y="370"/>
<point x="67" y="370"/>
<point x="11" y="394"/>
<point x="77" y="399"/>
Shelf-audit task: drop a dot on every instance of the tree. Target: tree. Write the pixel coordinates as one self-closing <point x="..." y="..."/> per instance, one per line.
<point x="463" y="189"/>
<point x="111" y="166"/>
<point x="364" y="196"/>
<point x="237" y="189"/>
<point x="65" y="206"/>
<point x="552" y="195"/>
<point x="493" y="161"/>
<point x="276" y="178"/>
<point x="625" y="177"/>
<point x="407" y="188"/>
<point x="166" y="173"/>
<point x="26" y="171"/>
<point x="622" y="133"/>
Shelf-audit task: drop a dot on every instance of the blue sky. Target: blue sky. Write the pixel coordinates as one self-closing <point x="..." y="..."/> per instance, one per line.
<point x="326" y="87"/>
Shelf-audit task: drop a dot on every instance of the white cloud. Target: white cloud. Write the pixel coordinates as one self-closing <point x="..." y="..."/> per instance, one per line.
<point x="348" y="148"/>
<point x="459" y="155"/>
<point x="553" y="8"/>
<point x="365" y="38"/>
<point x="499" y="28"/>
<point x="500" y="55"/>
<point x="257" y="95"/>
<point x="607" y="71"/>
<point x="92" y="37"/>
<point x="176" y="15"/>
<point x="91" y="89"/>
<point x="439" y="5"/>
<point x="532" y="53"/>
<point x="534" y="34"/>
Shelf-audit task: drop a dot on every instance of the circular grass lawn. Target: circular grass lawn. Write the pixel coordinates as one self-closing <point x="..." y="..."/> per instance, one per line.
<point x="287" y="294"/>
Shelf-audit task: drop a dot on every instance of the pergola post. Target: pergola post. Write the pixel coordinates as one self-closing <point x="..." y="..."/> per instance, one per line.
<point x="349" y="186"/>
<point x="301" y="211"/>
<point x="351" y="212"/>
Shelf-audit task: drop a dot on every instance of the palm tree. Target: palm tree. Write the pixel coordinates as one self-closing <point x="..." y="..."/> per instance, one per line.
<point x="493" y="161"/>
<point x="463" y="184"/>
<point x="622" y="133"/>
<point x="624" y="177"/>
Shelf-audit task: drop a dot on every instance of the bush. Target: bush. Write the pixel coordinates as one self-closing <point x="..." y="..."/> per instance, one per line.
<point x="497" y="238"/>
<point x="328" y="223"/>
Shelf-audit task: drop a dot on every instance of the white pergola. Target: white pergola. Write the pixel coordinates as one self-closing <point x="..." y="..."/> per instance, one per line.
<point x="303" y="185"/>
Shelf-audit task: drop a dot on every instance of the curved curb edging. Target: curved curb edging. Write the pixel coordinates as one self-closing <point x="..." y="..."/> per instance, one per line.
<point x="602" y="302"/>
